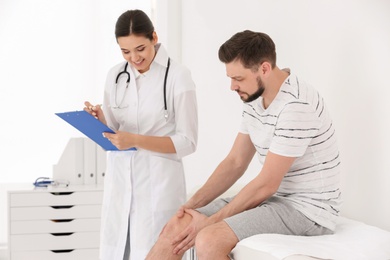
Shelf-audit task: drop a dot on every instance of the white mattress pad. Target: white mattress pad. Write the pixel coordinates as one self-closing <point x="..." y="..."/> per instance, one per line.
<point x="351" y="240"/>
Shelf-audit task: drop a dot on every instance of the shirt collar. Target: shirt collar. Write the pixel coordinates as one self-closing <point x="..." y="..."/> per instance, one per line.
<point x="161" y="56"/>
<point x="137" y="74"/>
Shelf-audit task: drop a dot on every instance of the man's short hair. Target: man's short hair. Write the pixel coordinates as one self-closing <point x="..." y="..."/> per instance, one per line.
<point x="251" y="48"/>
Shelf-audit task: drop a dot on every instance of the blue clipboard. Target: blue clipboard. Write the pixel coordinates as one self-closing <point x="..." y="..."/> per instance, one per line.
<point x="91" y="127"/>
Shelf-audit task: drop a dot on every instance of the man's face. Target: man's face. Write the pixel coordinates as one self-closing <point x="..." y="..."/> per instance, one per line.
<point x="245" y="82"/>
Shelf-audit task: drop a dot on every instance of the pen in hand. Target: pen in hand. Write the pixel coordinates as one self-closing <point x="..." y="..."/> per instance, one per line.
<point x="92" y="109"/>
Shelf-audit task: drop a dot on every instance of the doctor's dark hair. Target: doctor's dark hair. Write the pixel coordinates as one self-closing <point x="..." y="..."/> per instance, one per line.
<point x="134" y="22"/>
<point x="251" y="48"/>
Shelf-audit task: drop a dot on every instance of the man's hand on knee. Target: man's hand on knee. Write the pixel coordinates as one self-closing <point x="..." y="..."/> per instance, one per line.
<point x="186" y="238"/>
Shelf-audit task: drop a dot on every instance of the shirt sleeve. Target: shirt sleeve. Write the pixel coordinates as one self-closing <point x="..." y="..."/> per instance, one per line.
<point x="186" y="115"/>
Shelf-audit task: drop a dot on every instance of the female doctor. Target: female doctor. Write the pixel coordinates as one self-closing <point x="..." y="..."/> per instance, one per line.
<point x="150" y="103"/>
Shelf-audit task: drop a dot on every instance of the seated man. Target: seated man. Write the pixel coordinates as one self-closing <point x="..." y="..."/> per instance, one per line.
<point x="286" y="123"/>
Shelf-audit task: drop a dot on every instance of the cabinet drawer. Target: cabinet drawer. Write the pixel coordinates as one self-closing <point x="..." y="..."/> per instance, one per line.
<point x="30" y="199"/>
<point x="54" y="226"/>
<point x="69" y="212"/>
<point x="78" y="254"/>
<point x="38" y="242"/>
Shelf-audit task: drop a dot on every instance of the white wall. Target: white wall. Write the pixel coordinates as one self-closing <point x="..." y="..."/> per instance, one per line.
<point x="341" y="47"/>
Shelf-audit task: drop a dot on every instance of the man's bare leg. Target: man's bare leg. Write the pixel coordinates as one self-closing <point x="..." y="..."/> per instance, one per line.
<point x="163" y="249"/>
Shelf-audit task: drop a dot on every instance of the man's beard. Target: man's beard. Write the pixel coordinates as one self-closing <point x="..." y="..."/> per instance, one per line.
<point x="258" y="93"/>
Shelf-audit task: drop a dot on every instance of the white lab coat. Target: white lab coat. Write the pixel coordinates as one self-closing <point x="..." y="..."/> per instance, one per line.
<point x="142" y="187"/>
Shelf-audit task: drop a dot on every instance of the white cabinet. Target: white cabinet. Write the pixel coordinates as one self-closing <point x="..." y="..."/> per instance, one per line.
<point x="55" y="223"/>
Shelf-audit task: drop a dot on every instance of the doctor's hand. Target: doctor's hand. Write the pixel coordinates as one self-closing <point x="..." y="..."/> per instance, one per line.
<point x="96" y="111"/>
<point x="121" y="140"/>
<point x="186" y="239"/>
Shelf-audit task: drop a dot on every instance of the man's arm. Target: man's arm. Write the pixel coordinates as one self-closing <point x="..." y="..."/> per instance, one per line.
<point x="226" y="173"/>
<point x="263" y="186"/>
<point x="253" y="194"/>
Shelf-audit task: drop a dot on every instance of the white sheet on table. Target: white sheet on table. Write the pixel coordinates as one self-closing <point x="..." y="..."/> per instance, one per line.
<point x="351" y="240"/>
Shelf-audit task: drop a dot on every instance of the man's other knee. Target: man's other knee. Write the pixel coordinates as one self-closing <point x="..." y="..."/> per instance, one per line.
<point x="215" y="237"/>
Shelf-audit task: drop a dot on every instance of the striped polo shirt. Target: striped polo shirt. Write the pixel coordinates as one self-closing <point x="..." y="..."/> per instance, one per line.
<point x="297" y="124"/>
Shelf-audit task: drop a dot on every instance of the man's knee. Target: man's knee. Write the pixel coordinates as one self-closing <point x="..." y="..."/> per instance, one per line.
<point x="163" y="248"/>
<point x="175" y="225"/>
<point x="203" y="240"/>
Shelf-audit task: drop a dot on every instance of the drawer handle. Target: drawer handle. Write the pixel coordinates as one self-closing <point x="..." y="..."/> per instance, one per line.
<point x="61" y="220"/>
<point x="62" y="207"/>
<point x="61" y="193"/>
<point x="61" y="234"/>
<point x="62" y="251"/>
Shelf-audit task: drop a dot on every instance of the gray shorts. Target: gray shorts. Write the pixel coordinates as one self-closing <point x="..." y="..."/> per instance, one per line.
<point x="275" y="215"/>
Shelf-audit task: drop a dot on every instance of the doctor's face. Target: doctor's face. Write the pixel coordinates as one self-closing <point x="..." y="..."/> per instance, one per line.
<point x="245" y="82"/>
<point x="139" y="51"/>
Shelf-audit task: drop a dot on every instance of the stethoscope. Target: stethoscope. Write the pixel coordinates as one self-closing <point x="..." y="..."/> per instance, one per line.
<point x="127" y="85"/>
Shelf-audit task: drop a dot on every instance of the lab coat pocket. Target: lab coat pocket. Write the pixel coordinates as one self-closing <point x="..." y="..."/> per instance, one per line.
<point x="167" y="183"/>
